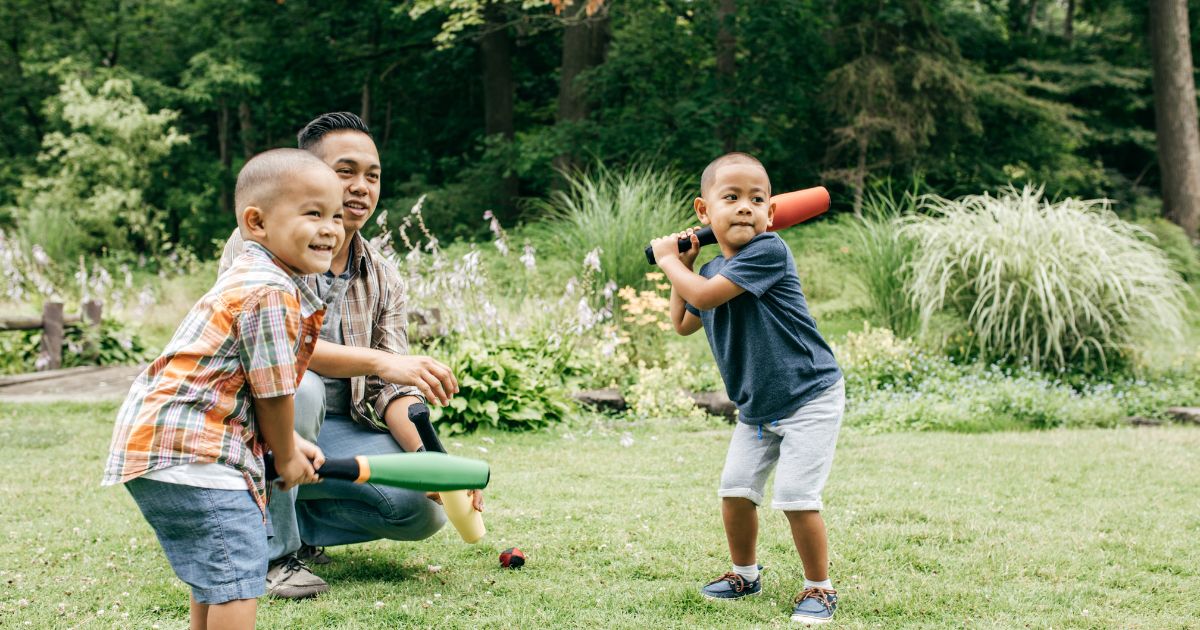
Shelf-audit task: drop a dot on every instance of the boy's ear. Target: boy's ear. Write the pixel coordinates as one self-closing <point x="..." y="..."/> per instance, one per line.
<point x="253" y="220"/>
<point x="701" y="210"/>
<point x="771" y="215"/>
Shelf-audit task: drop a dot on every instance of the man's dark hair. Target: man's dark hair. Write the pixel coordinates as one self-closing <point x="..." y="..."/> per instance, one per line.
<point x="313" y="132"/>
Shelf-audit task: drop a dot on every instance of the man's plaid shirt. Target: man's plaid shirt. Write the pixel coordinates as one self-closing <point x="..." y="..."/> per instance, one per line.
<point x="251" y="336"/>
<point x="374" y="315"/>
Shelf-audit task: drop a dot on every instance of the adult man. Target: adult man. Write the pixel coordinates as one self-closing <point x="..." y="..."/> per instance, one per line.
<point x="359" y="378"/>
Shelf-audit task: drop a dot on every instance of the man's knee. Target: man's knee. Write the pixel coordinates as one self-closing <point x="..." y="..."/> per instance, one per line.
<point x="310" y="406"/>
<point x="416" y="518"/>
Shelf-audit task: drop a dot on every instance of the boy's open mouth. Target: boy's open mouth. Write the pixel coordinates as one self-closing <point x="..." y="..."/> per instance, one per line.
<point x="322" y="248"/>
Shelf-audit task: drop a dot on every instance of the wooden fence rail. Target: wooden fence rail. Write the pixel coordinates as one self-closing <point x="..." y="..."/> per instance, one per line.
<point x="53" y="323"/>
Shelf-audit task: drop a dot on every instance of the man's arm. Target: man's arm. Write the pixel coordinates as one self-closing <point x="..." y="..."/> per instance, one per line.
<point x="434" y="380"/>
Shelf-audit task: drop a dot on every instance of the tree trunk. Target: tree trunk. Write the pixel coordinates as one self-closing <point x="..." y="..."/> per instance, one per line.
<point x="1069" y="23"/>
<point x="497" y="74"/>
<point x="860" y="176"/>
<point x="583" y="46"/>
<point x="365" y="108"/>
<point x="1032" y="17"/>
<point x="1175" y="113"/>
<point x="246" y="129"/>
<point x="223" y="153"/>
<point x="727" y="72"/>
<point x="498" y="90"/>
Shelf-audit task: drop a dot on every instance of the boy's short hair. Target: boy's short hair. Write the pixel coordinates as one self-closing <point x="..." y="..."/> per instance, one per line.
<point x="264" y="176"/>
<point x="313" y="132"/>
<point x="736" y="157"/>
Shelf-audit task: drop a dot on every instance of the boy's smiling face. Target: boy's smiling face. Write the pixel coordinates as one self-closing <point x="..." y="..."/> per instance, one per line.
<point x="303" y="225"/>
<point x="737" y="205"/>
<point x="353" y="156"/>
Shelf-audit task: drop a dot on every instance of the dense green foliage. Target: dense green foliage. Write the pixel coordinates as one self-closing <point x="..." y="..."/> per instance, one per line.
<point x="970" y="95"/>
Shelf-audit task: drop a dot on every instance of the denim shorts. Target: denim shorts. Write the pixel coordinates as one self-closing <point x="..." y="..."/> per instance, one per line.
<point x="215" y="540"/>
<point x="802" y="445"/>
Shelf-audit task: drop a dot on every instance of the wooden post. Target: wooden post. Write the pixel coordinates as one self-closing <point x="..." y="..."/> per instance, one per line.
<point x="52" y="337"/>
<point x="90" y="311"/>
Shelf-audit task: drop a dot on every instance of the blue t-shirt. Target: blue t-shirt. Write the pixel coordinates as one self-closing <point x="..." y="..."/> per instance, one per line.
<point x="766" y="344"/>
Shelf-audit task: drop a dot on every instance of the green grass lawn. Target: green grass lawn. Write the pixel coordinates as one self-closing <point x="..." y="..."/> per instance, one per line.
<point x="1076" y="529"/>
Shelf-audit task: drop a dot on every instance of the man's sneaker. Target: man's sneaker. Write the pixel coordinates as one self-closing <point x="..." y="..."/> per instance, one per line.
<point x="313" y="555"/>
<point x="290" y="578"/>
<point x="815" y="605"/>
<point x="731" y="586"/>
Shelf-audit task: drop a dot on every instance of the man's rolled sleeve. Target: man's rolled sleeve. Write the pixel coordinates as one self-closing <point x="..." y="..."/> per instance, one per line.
<point x="390" y="334"/>
<point x="268" y="329"/>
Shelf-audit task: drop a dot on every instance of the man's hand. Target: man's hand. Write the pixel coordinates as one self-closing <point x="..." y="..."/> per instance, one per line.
<point x="435" y="381"/>
<point x="476" y="498"/>
<point x="293" y="468"/>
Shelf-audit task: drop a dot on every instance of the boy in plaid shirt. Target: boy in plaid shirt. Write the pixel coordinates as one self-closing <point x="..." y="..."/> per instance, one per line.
<point x="189" y="439"/>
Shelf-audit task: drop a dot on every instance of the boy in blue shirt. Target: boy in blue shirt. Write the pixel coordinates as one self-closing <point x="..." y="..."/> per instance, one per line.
<point x="777" y="369"/>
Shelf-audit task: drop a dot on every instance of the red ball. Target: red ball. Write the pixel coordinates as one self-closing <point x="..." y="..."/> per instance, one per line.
<point x="512" y="558"/>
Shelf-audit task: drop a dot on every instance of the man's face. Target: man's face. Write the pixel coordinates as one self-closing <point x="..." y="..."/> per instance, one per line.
<point x="353" y="156"/>
<point x="303" y="227"/>
<point x="738" y="204"/>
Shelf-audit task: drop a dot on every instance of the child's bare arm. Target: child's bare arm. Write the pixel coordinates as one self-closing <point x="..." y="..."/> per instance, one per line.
<point x="685" y="323"/>
<point x="275" y="418"/>
<point x="702" y="293"/>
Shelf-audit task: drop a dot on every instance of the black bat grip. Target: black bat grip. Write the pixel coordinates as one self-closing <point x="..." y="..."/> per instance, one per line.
<point x="332" y="469"/>
<point x="705" y="235"/>
<point x="418" y="414"/>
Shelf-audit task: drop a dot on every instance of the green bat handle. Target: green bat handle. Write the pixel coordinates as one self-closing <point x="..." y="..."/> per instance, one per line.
<point x="428" y="472"/>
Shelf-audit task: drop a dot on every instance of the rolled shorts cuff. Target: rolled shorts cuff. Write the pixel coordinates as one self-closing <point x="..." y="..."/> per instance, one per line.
<point x="798" y="506"/>
<point x="741" y="493"/>
<point x="224" y="593"/>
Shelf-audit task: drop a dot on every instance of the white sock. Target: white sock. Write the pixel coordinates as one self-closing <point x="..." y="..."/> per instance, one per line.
<point x="825" y="584"/>
<point x="748" y="573"/>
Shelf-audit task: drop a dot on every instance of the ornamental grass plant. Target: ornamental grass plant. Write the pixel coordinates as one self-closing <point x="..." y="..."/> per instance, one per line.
<point x="881" y="258"/>
<point x="618" y="212"/>
<point x="1056" y="285"/>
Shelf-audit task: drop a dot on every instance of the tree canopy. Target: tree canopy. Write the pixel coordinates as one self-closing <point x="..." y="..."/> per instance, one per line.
<point x="476" y="102"/>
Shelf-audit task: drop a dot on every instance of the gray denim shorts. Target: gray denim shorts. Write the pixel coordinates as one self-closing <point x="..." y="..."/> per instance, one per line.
<point x="800" y="446"/>
<point x="215" y="540"/>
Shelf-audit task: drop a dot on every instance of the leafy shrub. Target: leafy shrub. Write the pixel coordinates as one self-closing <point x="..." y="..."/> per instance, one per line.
<point x="618" y="212"/>
<point x="659" y="394"/>
<point x="876" y="359"/>
<point x="87" y="193"/>
<point x="514" y="384"/>
<point x="893" y="385"/>
<point x="1058" y="285"/>
<point x="1184" y="256"/>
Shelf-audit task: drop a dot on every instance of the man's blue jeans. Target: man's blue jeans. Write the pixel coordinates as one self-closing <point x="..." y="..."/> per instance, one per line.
<point x="336" y="512"/>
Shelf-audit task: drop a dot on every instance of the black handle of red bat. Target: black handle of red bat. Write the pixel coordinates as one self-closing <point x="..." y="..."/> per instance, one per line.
<point x="332" y="468"/>
<point x="418" y="414"/>
<point x="705" y="235"/>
